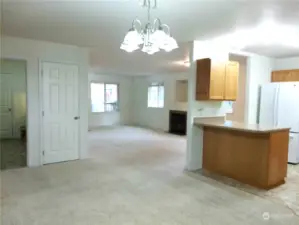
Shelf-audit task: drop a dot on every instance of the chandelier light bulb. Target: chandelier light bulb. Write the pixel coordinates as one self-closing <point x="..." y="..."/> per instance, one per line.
<point x="171" y="45"/>
<point x="129" y="48"/>
<point x="150" y="49"/>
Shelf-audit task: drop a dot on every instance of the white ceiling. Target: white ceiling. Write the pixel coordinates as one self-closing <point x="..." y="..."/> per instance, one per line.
<point x="102" y="24"/>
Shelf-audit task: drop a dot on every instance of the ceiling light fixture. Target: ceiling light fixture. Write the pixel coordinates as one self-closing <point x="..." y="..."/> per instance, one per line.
<point x="153" y="37"/>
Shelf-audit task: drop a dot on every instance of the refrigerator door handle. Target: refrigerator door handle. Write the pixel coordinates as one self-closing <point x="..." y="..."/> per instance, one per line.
<point x="275" y="122"/>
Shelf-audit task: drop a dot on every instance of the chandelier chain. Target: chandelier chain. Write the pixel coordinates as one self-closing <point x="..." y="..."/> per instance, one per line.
<point x="149" y="11"/>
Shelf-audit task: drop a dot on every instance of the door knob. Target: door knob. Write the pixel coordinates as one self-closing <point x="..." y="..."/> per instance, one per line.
<point x="9" y="109"/>
<point x="76" y="117"/>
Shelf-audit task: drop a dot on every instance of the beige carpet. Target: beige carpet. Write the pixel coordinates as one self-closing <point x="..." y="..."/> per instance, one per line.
<point x="135" y="176"/>
<point x="13" y="154"/>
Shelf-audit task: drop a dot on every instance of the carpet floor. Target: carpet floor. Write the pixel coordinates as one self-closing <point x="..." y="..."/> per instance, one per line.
<point x="134" y="176"/>
<point x="13" y="154"/>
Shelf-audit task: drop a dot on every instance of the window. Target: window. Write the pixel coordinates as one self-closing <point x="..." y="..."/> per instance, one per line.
<point x="104" y="97"/>
<point x="155" y="97"/>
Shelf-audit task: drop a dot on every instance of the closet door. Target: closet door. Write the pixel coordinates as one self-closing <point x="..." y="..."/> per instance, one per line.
<point x="60" y="112"/>
<point x="6" y="123"/>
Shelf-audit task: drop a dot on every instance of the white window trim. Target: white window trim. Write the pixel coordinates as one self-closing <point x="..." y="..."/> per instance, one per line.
<point x="156" y="84"/>
<point x="105" y="83"/>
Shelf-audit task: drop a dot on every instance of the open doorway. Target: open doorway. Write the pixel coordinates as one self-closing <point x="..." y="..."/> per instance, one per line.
<point x="13" y="114"/>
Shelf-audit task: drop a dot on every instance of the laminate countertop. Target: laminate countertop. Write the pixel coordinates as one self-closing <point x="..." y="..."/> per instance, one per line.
<point x="231" y="125"/>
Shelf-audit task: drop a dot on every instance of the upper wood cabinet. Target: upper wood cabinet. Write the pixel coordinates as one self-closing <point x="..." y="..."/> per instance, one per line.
<point x="216" y="80"/>
<point x="285" y="76"/>
<point x="231" y="80"/>
<point x="217" y="76"/>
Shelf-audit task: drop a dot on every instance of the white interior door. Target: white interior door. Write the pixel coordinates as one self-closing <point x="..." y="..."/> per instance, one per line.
<point x="61" y="112"/>
<point x="6" y="123"/>
<point x="288" y="106"/>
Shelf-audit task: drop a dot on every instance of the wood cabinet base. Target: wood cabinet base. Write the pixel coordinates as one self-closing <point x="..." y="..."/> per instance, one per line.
<point x="257" y="159"/>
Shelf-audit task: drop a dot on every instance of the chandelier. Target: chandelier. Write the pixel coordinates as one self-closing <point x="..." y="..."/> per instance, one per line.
<point x="152" y="38"/>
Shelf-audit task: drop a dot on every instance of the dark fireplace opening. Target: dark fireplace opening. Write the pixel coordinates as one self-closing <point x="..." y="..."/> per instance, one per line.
<point x="177" y="122"/>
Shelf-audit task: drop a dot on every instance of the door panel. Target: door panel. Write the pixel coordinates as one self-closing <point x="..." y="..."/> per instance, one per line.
<point x="6" y="123"/>
<point x="203" y="70"/>
<point x="288" y="106"/>
<point x="60" y="101"/>
<point x="217" y="80"/>
<point x="231" y="81"/>
<point x="285" y="76"/>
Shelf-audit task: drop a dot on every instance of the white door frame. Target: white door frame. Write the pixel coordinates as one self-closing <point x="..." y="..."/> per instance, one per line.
<point x="41" y="103"/>
<point x="27" y="119"/>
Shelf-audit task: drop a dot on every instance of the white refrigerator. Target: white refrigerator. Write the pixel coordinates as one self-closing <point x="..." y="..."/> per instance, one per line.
<point x="279" y="106"/>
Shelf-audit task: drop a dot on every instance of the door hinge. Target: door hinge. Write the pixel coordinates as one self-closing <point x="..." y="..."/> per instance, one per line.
<point x="43" y="113"/>
<point x="42" y="72"/>
<point x="43" y="152"/>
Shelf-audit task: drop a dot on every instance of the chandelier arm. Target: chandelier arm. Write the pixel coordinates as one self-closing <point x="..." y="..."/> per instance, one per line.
<point x="137" y="21"/>
<point x="157" y="20"/>
<point x="167" y="27"/>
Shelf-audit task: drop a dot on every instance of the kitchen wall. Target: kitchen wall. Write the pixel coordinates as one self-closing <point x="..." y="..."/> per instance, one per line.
<point x="32" y="52"/>
<point x="259" y="70"/>
<point x="17" y="81"/>
<point x="156" y="118"/>
<point x="286" y="63"/>
<point x="126" y="91"/>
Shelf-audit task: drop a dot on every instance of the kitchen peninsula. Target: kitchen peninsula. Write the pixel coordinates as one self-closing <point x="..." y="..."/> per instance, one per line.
<point x="252" y="154"/>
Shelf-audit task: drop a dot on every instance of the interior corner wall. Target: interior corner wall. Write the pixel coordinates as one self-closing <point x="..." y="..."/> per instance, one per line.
<point x="121" y="117"/>
<point x="259" y="70"/>
<point x="156" y="118"/>
<point x="32" y="52"/>
<point x="286" y="63"/>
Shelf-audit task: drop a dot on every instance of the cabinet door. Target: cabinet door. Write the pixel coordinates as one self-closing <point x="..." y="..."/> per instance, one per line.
<point x="231" y="81"/>
<point x="203" y="71"/>
<point x="217" y="80"/>
<point x="285" y="76"/>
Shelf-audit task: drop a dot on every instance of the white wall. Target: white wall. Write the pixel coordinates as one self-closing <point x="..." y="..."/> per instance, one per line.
<point x="156" y="118"/>
<point x="32" y="51"/>
<point x="124" y="116"/>
<point x="286" y="63"/>
<point x="17" y="81"/>
<point x="259" y="70"/>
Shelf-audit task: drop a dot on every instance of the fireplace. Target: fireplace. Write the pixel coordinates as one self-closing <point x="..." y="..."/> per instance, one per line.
<point x="177" y="122"/>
